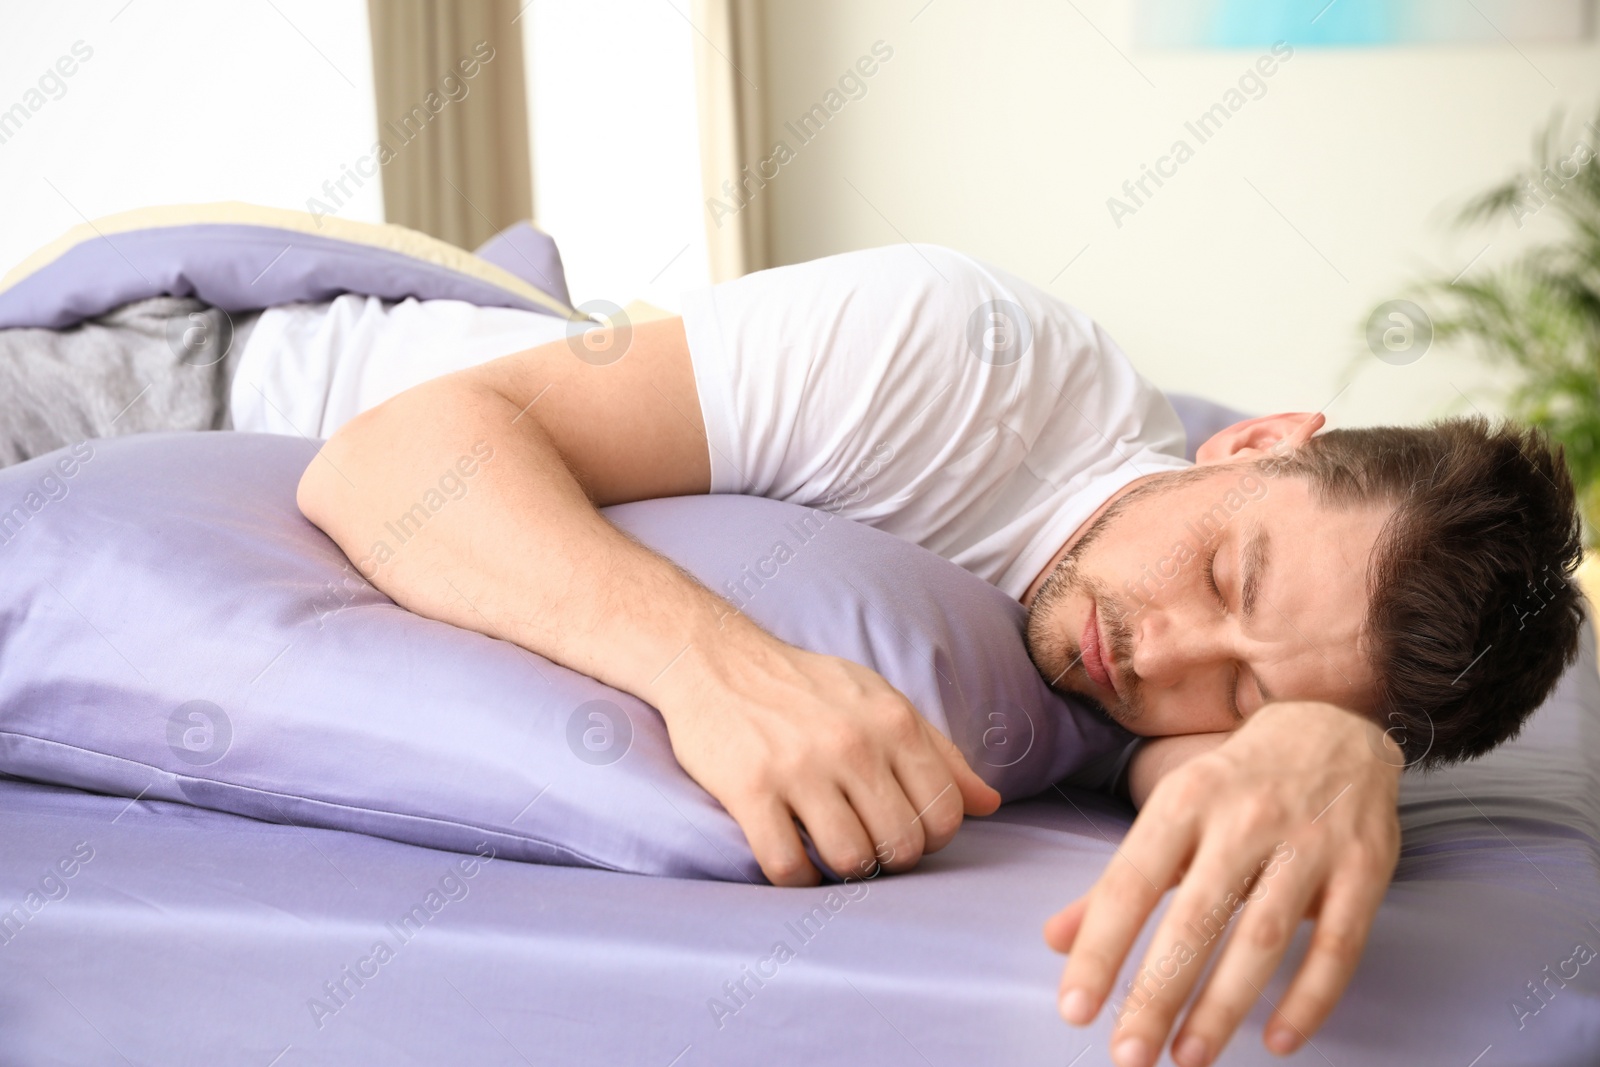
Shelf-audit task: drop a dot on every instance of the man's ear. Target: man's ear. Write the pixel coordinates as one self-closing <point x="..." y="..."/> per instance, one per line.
<point x="1256" y="437"/>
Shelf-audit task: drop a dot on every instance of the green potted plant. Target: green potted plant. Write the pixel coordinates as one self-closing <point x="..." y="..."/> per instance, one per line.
<point x="1540" y="314"/>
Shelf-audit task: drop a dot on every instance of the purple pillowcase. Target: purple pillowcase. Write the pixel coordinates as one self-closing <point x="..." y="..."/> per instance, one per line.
<point x="171" y="627"/>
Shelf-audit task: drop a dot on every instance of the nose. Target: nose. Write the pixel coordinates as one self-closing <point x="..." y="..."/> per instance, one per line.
<point x="1172" y="644"/>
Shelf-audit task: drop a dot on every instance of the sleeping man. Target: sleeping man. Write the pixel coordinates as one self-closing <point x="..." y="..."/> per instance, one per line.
<point x="1289" y="621"/>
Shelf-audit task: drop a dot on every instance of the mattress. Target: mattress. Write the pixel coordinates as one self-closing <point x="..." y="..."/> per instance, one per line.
<point x="185" y="936"/>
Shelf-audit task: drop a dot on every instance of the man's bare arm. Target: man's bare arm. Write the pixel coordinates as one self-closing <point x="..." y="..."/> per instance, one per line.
<point x="773" y="732"/>
<point x="1157" y="757"/>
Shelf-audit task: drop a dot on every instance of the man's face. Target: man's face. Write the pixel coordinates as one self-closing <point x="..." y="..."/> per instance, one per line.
<point x="1202" y="595"/>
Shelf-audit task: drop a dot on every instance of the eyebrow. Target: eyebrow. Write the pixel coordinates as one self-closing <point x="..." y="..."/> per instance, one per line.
<point x="1252" y="568"/>
<point x="1252" y="563"/>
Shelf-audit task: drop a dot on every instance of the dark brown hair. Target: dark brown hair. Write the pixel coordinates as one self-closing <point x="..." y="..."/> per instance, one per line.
<point x="1473" y="612"/>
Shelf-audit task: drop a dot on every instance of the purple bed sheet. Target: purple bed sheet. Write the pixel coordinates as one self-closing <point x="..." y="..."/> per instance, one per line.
<point x="185" y="936"/>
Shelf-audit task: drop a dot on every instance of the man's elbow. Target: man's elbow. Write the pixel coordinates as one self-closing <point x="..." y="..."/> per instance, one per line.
<point x="311" y="494"/>
<point x="322" y="486"/>
<point x="315" y="495"/>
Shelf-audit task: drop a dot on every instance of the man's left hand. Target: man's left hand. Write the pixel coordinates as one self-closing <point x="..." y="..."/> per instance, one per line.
<point x="1294" y="816"/>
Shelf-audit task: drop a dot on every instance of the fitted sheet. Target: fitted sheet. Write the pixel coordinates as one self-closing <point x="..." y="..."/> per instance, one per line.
<point x="198" y="937"/>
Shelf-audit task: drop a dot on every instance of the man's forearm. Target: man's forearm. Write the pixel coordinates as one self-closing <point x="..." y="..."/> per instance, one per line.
<point x="523" y="555"/>
<point x="1157" y="756"/>
<point x="776" y="733"/>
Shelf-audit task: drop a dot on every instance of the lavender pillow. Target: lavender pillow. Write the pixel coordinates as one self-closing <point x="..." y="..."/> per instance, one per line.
<point x="171" y="627"/>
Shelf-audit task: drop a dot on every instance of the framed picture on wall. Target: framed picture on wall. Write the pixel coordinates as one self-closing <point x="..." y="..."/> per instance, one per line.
<point x="1358" y="23"/>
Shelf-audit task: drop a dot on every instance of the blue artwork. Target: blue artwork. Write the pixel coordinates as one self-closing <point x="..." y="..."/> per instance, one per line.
<point x="1357" y="23"/>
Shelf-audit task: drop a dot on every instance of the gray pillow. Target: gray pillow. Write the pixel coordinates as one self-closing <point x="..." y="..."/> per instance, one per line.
<point x="171" y="627"/>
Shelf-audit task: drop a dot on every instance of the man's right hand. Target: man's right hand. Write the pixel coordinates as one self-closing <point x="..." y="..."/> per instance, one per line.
<point x="781" y="735"/>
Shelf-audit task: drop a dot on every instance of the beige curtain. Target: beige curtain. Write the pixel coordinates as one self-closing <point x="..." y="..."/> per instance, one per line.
<point x="728" y="67"/>
<point x="452" y="116"/>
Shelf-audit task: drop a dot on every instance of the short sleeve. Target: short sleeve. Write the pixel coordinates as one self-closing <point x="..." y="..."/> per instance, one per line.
<point x="919" y="391"/>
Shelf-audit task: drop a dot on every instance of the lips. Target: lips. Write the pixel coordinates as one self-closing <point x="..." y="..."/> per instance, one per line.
<point x="1095" y="660"/>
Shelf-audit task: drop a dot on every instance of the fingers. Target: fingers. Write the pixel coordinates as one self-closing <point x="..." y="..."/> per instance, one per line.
<point x="924" y="777"/>
<point x="837" y="832"/>
<point x="874" y="785"/>
<point x="1178" y="951"/>
<point x="1348" y="908"/>
<point x="1062" y="928"/>
<point x="1120" y="901"/>
<point x="897" y="836"/>
<point x="1185" y="938"/>
<point x="769" y="827"/>
<point x="917" y="806"/>
<point x="1269" y="905"/>
<point x="977" y="796"/>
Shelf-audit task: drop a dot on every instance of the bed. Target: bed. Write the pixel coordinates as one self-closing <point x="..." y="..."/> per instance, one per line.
<point x="140" y="931"/>
<point x="197" y="937"/>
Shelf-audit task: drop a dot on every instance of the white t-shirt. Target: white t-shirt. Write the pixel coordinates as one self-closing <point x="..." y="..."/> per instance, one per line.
<point x="308" y="369"/>
<point x="911" y="388"/>
<point x="937" y="398"/>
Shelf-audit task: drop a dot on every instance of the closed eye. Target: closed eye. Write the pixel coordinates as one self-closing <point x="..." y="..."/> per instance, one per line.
<point x="1211" y="581"/>
<point x="1211" y="578"/>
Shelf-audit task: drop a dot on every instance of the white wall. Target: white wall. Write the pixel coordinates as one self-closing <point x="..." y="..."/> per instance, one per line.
<point x="616" y="158"/>
<point x="1002" y="129"/>
<point x="184" y="101"/>
<point x="179" y="102"/>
